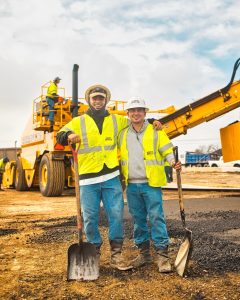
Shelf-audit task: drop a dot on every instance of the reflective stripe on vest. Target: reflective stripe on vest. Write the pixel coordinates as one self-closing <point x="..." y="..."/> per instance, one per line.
<point x="154" y="162"/>
<point x="66" y="129"/>
<point x="115" y="133"/>
<point x="165" y="147"/>
<point x="85" y="143"/>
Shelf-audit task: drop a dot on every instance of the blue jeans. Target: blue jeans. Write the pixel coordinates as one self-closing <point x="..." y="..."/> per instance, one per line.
<point x="50" y="103"/>
<point x="144" y="200"/>
<point x="110" y="192"/>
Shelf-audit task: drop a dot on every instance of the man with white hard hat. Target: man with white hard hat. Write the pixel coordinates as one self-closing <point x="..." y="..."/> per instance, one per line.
<point x="143" y="152"/>
<point x="97" y="132"/>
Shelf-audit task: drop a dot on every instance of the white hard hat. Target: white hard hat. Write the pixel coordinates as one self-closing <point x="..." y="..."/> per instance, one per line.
<point x="136" y="103"/>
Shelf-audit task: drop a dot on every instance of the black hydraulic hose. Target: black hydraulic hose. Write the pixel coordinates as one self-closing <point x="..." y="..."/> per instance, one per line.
<point x="204" y="100"/>
<point x="227" y="87"/>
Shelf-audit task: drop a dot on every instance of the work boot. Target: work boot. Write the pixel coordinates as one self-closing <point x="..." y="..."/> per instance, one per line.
<point x="163" y="261"/>
<point x="117" y="260"/>
<point x="144" y="256"/>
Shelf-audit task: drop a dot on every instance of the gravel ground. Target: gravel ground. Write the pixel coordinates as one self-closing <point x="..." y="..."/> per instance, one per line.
<point x="35" y="233"/>
<point x="212" y="252"/>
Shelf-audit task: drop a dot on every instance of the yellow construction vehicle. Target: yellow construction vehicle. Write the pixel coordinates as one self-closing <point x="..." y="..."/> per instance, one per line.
<point x="44" y="163"/>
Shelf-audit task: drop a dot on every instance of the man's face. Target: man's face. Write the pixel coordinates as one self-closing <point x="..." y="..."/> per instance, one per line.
<point x="137" y="115"/>
<point x="97" y="102"/>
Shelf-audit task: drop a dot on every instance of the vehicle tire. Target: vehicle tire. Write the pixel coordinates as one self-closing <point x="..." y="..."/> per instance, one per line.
<point x="198" y="165"/>
<point x="214" y="165"/>
<point x="19" y="177"/>
<point x="51" y="176"/>
<point x="206" y="165"/>
<point x="236" y="165"/>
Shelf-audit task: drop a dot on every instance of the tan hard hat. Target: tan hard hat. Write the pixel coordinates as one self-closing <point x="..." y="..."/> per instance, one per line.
<point x="97" y="89"/>
<point x="136" y="102"/>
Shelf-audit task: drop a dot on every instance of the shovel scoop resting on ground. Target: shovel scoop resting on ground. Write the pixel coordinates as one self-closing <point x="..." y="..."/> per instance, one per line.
<point x="185" y="250"/>
<point x="83" y="263"/>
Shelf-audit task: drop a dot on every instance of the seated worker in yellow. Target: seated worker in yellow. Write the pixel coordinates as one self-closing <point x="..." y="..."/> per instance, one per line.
<point x="52" y="98"/>
<point x="97" y="132"/>
<point x="3" y="163"/>
<point x="143" y="152"/>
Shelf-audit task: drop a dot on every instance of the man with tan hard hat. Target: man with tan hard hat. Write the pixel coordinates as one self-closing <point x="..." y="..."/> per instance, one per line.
<point x="97" y="132"/>
<point x="143" y="153"/>
<point x="52" y="98"/>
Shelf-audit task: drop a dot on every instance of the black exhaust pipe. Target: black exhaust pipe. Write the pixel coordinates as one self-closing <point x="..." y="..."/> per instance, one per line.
<point x="74" y="106"/>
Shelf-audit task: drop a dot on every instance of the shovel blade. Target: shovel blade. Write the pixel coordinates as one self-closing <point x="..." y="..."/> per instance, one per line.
<point x="83" y="263"/>
<point x="184" y="254"/>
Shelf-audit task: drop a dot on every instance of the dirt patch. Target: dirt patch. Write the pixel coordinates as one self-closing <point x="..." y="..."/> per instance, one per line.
<point x="209" y="177"/>
<point x="7" y="231"/>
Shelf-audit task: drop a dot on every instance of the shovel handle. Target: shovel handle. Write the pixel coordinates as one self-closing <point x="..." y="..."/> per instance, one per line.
<point x="179" y="185"/>
<point x="77" y="190"/>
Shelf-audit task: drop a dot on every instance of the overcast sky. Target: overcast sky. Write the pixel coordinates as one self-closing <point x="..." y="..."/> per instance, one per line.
<point x="168" y="52"/>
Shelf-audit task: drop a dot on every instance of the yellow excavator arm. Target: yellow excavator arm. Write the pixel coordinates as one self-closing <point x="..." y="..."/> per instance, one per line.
<point x="204" y="109"/>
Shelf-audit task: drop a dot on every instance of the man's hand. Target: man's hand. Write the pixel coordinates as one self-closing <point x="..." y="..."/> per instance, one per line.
<point x="74" y="138"/>
<point x="177" y="165"/>
<point x="60" y="99"/>
<point x="157" y="125"/>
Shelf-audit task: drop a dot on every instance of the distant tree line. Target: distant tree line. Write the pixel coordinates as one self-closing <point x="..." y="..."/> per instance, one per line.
<point x="206" y="149"/>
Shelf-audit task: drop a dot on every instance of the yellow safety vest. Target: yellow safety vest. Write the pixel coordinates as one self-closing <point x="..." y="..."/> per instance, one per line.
<point x="2" y="166"/>
<point x="52" y="89"/>
<point x="156" y="145"/>
<point x="96" y="149"/>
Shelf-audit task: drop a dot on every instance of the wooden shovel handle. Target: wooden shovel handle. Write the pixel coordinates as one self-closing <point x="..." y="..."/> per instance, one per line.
<point x="179" y="185"/>
<point x="77" y="190"/>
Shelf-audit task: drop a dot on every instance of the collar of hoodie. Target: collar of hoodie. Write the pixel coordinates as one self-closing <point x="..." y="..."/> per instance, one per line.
<point x="145" y="124"/>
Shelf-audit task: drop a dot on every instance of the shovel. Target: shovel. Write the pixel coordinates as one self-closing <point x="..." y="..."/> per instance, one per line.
<point x="83" y="263"/>
<point x="185" y="250"/>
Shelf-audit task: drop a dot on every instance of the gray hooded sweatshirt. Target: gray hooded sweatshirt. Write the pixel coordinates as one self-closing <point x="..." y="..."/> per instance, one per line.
<point x="136" y="167"/>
